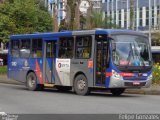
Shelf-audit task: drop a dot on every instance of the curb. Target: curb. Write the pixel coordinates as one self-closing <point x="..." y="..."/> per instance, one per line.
<point x="4" y="79"/>
<point x="11" y="82"/>
<point x="150" y="91"/>
<point x="153" y="90"/>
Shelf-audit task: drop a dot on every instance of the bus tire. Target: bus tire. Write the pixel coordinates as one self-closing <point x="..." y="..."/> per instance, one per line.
<point x="117" y="91"/>
<point x="63" y="88"/>
<point x="32" y="82"/>
<point x="81" y="85"/>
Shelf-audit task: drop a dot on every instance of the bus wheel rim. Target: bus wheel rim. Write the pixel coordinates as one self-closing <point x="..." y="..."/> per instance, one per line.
<point x="31" y="81"/>
<point x="81" y="84"/>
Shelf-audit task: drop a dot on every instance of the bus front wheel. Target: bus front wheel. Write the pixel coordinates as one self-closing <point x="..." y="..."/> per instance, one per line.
<point x="32" y="82"/>
<point x="117" y="91"/>
<point x="81" y="85"/>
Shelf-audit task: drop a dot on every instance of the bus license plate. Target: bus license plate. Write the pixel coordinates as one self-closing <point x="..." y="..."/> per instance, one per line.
<point x="136" y="83"/>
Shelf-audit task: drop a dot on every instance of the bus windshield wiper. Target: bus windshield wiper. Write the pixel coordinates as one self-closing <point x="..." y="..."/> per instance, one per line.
<point x="139" y="56"/>
<point x="130" y="55"/>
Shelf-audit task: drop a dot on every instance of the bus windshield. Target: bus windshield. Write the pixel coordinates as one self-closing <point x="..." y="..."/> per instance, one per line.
<point x="130" y="50"/>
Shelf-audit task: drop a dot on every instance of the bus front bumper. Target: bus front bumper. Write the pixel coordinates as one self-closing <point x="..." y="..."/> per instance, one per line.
<point x="120" y="83"/>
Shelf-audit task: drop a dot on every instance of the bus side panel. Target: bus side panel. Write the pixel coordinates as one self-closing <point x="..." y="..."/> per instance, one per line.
<point x="38" y="69"/>
<point x="9" y="63"/>
<point x="35" y="65"/>
<point x="82" y="66"/>
<point x="19" y="67"/>
<point x="14" y="69"/>
<point x="62" y="72"/>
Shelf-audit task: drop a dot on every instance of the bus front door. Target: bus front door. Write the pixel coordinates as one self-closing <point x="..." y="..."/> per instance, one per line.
<point x="49" y="60"/>
<point x="101" y="61"/>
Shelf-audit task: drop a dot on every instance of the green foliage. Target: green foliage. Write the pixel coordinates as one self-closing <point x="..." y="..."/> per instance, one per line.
<point x="99" y="21"/>
<point x="3" y="69"/>
<point x="156" y="38"/>
<point x="23" y="16"/>
<point x="156" y="74"/>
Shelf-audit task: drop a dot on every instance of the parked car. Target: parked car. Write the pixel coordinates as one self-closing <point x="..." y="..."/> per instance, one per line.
<point x="3" y="56"/>
<point x="1" y="62"/>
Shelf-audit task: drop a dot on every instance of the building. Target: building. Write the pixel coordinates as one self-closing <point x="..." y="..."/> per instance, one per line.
<point x="119" y="10"/>
<point x="59" y="6"/>
<point x="146" y="15"/>
<point x="97" y="5"/>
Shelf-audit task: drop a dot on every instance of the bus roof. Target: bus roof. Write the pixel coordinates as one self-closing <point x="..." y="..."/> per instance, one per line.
<point x="78" y="32"/>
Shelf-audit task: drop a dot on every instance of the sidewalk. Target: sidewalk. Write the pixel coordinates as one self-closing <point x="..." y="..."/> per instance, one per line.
<point x="153" y="90"/>
<point x="4" y="79"/>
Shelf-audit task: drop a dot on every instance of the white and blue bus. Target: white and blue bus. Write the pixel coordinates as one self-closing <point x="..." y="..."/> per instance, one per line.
<point x="81" y="60"/>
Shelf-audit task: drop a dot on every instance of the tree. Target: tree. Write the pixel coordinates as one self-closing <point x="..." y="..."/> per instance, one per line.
<point x="156" y="38"/>
<point x="62" y="25"/>
<point x="99" y="21"/>
<point x="23" y="16"/>
<point x="73" y="6"/>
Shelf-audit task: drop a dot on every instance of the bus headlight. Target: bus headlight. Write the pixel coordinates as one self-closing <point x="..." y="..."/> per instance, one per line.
<point x="115" y="74"/>
<point x="150" y="77"/>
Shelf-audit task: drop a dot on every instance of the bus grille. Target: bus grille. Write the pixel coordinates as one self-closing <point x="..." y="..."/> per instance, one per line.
<point x="130" y="84"/>
<point x="133" y="78"/>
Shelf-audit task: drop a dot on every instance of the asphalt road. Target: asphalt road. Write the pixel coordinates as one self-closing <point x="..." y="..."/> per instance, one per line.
<point x="16" y="99"/>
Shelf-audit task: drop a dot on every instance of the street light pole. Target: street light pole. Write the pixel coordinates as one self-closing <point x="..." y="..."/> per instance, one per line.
<point x="137" y="8"/>
<point x="116" y="12"/>
<point x="150" y="17"/>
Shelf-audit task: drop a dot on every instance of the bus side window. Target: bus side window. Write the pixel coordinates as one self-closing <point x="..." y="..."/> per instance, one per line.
<point x="25" y="48"/>
<point x="36" y="48"/>
<point x="51" y="49"/>
<point x="66" y="47"/>
<point x="15" y="48"/>
<point x="83" y="47"/>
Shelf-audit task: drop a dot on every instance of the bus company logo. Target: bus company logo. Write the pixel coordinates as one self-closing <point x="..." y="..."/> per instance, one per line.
<point x="25" y="63"/>
<point x="59" y="65"/>
<point x="140" y="74"/>
<point x="63" y="65"/>
<point x="14" y="63"/>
